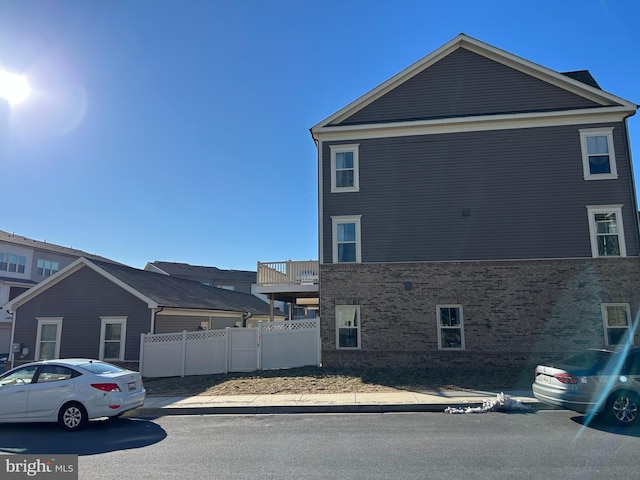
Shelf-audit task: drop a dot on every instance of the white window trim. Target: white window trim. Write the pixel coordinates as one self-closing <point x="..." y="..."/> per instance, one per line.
<point x="356" y="167"/>
<point x="605" y="320"/>
<point x="359" y="326"/>
<point x="123" y="335"/>
<point x="335" y="221"/>
<point x="600" y="132"/>
<point x="594" y="209"/>
<point x="440" y="327"/>
<point x="48" y="321"/>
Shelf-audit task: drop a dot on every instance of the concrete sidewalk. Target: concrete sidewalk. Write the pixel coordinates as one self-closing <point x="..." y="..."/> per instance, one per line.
<point x="434" y="401"/>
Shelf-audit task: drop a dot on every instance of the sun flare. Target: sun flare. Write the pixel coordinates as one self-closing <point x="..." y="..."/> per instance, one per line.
<point x="13" y="88"/>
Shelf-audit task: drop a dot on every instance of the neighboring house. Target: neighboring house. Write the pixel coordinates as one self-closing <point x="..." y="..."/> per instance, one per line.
<point x="99" y="310"/>
<point x="238" y="280"/>
<point x="24" y="262"/>
<point x="476" y="209"/>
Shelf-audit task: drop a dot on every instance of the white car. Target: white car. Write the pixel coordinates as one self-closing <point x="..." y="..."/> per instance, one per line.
<point x="68" y="391"/>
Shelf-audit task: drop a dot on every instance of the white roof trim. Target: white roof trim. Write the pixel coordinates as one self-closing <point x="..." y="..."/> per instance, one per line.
<point x="66" y="272"/>
<point x="488" y="51"/>
<point x="472" y="124"/>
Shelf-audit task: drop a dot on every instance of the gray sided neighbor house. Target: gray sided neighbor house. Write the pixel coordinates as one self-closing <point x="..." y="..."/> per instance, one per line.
<point x="476" y="209"/>
<point x="99" y="310"/>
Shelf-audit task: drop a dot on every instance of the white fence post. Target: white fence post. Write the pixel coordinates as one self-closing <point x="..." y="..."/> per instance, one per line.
<point x="259" y="355"/>
<point x="227" y="348"/>
<point x="184" y="353"/>
<point x="141" y="355"/>
<point x="319" y="340"/>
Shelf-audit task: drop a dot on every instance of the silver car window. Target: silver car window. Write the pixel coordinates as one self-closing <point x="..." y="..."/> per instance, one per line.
<point x="19" y="377"/>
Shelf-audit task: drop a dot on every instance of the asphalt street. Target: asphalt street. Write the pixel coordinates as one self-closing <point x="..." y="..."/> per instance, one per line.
<point x="539" y="445"/>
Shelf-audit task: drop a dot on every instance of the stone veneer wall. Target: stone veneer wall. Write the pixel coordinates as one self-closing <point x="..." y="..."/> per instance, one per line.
<point x="516" y="313"/>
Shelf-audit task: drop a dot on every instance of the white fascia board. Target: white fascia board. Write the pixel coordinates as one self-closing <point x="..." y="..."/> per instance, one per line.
<point x="558" y="79"/>
<point x="150" y="267"/>
<point x="475" y="123"/>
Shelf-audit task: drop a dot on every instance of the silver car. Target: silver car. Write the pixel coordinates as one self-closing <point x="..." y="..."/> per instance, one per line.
<point x="603" y="381"/>
<point x="68" y="391"/>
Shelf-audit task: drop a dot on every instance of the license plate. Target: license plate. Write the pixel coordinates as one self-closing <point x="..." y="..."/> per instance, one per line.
<point x="544" y="379"/>
<point x="132" y="386"/>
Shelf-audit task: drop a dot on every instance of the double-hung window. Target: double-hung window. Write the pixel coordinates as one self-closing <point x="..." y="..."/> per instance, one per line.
<point x="450" y="327"/>
<point x="46" y="268"/>
<point x="346" y="239"/>
<point x="345" y="175"/>
<point x="598" y="158"/>
<point x="348" y="326"/>
<point x="10" y="262"/>
<point x="112" y="338"/>
<point x="617" y="323"/>
<point x="48" y="338"/>
<point x="607" y="234"/>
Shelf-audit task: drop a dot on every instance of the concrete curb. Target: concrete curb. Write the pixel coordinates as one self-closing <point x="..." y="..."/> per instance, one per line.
<point x="308" y="409"/>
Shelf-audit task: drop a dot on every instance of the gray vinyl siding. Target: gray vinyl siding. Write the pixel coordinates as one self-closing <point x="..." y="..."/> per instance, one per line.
<point x="80" y="300"/>
<point x="465" y="84"/>
<point x="62" y="260"/>
<point x="177" y="323"/>
<point x="511" y="194"/>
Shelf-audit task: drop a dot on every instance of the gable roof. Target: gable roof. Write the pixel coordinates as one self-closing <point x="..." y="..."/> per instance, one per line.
<point x="195" y="271"/>
<point x="156" y="289"/>
<point x="572" y="95"/>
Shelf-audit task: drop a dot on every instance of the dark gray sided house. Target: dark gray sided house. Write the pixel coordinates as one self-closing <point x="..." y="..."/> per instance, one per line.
<point x="99" y="310"/>
<point x="237" y="280"/>
<point x="476" y="209"/>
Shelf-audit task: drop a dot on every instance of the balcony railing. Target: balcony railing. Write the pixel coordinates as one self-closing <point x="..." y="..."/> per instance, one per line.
<point x="288" y="273"/>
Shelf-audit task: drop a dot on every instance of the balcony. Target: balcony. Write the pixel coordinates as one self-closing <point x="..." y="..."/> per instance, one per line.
<point x="289" y="279"/>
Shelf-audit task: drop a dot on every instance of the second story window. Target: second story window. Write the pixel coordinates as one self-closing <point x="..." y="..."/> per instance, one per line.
<point x="345" y="176"/>
<point x="598" y="159"/>
<point x="46" y="268"/>
<point x="12" y="263"/>
<point x="346" y="239"/>
<point x="607" y="234"/>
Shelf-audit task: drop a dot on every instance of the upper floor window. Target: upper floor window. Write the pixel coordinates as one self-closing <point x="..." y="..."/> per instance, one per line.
<point x="346" y="239"/>
<point x="607" y="234"/>
<point x="617" y="323"/>
<point x="450" y="327"/>
<point x="598" y="158"/>
<point x="46" y="268"/>
<point x="12" y="263"/>
<point x="345" y="175"/>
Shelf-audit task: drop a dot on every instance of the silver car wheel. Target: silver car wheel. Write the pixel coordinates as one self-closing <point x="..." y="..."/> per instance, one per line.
<point x="624" y="407"/>
<point x="73" y="417"/>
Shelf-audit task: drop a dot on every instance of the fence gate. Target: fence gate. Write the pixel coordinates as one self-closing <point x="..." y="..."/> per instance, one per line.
<point x="243" y="349"/>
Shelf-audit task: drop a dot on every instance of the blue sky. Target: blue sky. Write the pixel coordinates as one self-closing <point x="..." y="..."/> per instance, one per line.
<point x="178" y="130"/>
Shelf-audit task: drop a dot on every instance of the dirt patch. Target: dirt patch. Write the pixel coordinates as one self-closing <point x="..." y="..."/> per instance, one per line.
<point x="331" y="380"/>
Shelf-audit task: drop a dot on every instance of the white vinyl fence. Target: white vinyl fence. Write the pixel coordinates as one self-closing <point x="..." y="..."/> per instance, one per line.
<point x="272" y="345"/>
